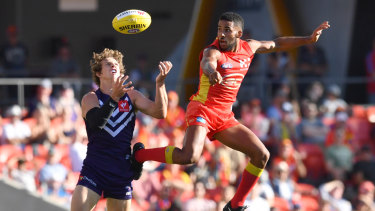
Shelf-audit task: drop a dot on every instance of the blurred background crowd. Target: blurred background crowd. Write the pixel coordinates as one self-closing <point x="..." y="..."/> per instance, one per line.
<point x="322" y="144"/>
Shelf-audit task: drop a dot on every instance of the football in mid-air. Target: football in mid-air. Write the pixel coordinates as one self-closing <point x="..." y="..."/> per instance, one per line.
<point x="131" y="21"/>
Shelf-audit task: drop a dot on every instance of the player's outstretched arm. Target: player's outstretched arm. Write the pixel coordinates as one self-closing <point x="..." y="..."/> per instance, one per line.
<point x="157" y="108"/>
<point x="285" y="43"/>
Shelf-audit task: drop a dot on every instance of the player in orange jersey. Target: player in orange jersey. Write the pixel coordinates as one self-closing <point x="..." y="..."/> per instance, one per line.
<point x="223" y="65"/>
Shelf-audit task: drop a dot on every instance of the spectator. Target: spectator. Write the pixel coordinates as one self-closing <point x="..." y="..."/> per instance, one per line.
<point x="24" y="176"/>
<point x="63" y="65"/>
<point x="255" y="201"/>
<point x="165" y="199"/>
<point x="287" y="153"/>
<point x="315" y="93"/>
<point x="370" y="70"/>
<point x="141" y="75"/>
<point x="147" y="187"/>
<point x="53" y="175"/>
<point x="174" y="123"/>
<point x="43" y="108"/>
<point x="286" y="127"/>
<point x="265" y="188"/>
<point x="199" y="202"/>
<point x="78" y="149"/>
<point x="284" y="186"/>
<point x="332" y="196"/>
<point x="16" y="131"/>
<point x="278" y="67"/>
<point x="14" y="55"/>
<point x="338" y="156"/>
<point x="312" y="61"/>
<point x="253" y="118"/>
<point x="70" y="114"/>
<point x="311" y="65"/>
<point x="365" y="198"/>
<point x="364" y="166"/>
<point x="311" y="129"/>
<point x="332" y="101"/>
<point x="341" y="123"/>
<point x="227" y="193"/>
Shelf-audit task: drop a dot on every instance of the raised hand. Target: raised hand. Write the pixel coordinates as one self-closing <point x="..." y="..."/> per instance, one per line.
<point x="164" y="67"/>
<point x="119" y="87"/>
<point x="318" y="31"/>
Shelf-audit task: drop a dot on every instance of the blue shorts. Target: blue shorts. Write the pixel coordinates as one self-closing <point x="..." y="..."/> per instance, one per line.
<point x="104" y="184"/>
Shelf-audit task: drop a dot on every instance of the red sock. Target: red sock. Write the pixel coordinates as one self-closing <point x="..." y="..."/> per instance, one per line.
<point x="247" y="183"/>
<point x="155" y="154"/>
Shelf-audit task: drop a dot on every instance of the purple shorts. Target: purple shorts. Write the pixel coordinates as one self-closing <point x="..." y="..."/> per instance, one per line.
<point x="104" y="184"/>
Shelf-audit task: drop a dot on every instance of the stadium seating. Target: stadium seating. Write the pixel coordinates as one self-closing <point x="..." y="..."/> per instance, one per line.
<point x="314" y="161"/>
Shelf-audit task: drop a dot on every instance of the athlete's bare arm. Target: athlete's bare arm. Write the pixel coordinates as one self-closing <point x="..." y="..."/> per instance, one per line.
<point x="209" y="65"/>
<point x="88" y="102"/>
<point x="284" y="43"/>
<point x="157" y="108"/>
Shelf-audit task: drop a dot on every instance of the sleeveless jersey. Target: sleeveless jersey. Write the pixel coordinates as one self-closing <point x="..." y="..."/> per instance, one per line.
<point x="109" y="148"/>
<point x="232" y="67"/>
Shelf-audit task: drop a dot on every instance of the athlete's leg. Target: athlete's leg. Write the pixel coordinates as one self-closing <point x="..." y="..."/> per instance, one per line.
<point x="83" y="199"/>
<point x="117" y="204"/>
<point x="242" y="139"/>
<point x="191" y="151"/>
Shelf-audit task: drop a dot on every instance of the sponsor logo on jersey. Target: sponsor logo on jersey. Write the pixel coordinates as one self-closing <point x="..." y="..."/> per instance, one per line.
<point x="201" y="120"/>
<point x="123" y="106"/>
<point x="227" y="65"/>
<point x="232" y="81"/>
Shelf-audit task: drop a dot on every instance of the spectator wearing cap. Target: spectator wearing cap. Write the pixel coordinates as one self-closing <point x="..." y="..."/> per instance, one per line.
<point x="13" y="54"/>
<point x="43" y="109"/>
<point x="16" y="131"/>
<point x="333" y="101"/>
<point x="341" y="123"/>
<point x="286" y="127"/>
<point x="253" y="118"/>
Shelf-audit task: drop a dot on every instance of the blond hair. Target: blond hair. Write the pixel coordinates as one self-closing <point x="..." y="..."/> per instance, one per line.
<point x="97" y="58"/>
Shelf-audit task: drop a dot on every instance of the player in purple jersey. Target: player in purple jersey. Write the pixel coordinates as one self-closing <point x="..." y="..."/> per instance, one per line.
<point x="109" y="114"/>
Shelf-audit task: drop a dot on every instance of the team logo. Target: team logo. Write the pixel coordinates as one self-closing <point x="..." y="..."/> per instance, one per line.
<point x="227" y="65"/>
<point x="245" y="62"/>
<point x="232" y="81"/>
<point x="123" y="106"/>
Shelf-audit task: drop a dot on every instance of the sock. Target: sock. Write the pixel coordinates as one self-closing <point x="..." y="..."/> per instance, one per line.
<point x="161" y="154"/>
<point x="249" y="178"/>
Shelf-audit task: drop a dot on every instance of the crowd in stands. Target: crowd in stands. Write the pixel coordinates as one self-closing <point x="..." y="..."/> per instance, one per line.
<point x="322" y="147"/>
<point x="321" y="158"/>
